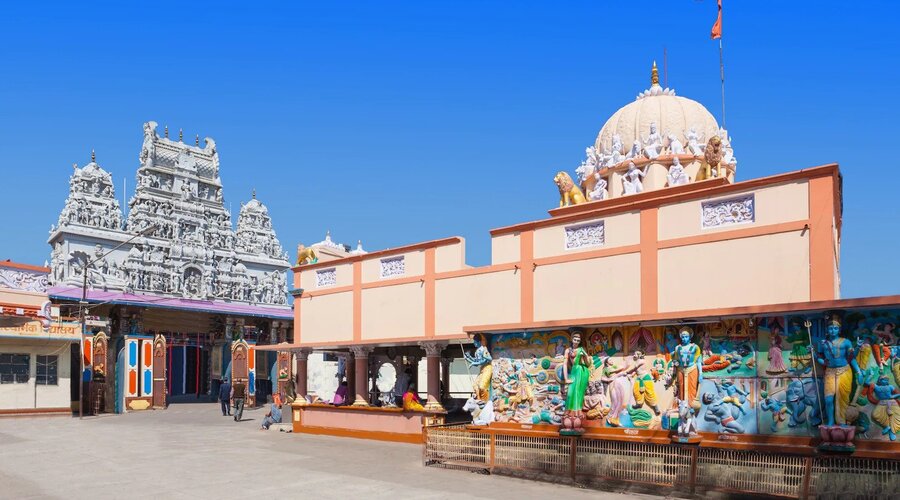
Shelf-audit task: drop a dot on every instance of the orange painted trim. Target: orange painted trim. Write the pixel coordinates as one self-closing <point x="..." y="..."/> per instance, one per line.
<point x="649" y="248"/>
<point x="381" y="253"/>
<point x="592" y="254"/>
<point x="619" y="201"/>
<point x="734" y="234"/>
<point x="526" y="282"/>
<point x="357" y="301"/>
<point x="28" y="267"/>
<point x="21" y="412"/>
<point x="659" y="197"/>
<point x="352" y="433"/>
<point x="821" y="239"/>
<point x="430" y="306"/>
<point x="364" y="409"/>
<point x="700" y="314"/>
<point x="328" y="290"/>
<point x="342" y="344"/>
<point x="298" y="302"/>
<point x="472" y="271"/>
<point x="393" y="282"/>
<point x="10" y="310"/>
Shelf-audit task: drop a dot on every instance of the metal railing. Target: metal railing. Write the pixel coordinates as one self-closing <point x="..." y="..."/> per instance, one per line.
<point x="587" y="460"/>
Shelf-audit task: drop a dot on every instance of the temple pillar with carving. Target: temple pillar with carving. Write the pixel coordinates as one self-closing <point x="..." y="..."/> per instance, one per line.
<point x="361" y="372"/>
<point x="302" y="373"/>
<point x="433" y="368"/>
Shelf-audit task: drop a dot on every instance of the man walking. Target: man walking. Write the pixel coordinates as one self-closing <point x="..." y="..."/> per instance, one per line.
<point x="238" y="391"/>
<point x="225" y="397"/>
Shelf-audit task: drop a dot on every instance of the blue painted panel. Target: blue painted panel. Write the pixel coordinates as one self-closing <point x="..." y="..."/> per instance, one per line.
<point x="148" y="382"/>
<point x="252" y="382"/>
<point x="132" y="353"/>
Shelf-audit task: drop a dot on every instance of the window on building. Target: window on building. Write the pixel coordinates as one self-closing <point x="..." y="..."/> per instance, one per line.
<point x="14" y="368"/>
<point x="46" y="370"/>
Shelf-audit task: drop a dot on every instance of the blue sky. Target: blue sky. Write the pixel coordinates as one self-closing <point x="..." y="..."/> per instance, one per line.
<point x="398" y="122"/>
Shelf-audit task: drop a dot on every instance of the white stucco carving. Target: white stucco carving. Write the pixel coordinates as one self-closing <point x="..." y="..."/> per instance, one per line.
<point x="677" y="176"/>
<point x="599" y="192"/>
<point x="25" y="280"/>
<point x="717" y="213"/>
<point x="653" y="143"/>
<point x="632" y="182"/>
<point x="393" y="266"/>
<point x="189" y="248"/>
<point x="326" y="277"/>
<point x="585" y="235"/>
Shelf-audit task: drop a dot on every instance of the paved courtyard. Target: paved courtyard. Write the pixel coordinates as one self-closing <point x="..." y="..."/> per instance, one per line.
<point x="192" y="451"/>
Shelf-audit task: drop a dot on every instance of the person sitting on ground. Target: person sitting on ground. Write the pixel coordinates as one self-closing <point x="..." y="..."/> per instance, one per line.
<point x="411" y="399"/>
<point x="340" y="395"/>
<point x="272" y="417"/>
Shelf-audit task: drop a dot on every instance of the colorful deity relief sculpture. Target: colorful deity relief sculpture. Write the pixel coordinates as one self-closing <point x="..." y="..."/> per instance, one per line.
<point x="481" y="360"/>
<point x="887" y="411"/>
<point x="837" y="354"/>
<point x="688" y="368"/>
<point x="569" y="193"/>
<point x="576" y="372"/>
<point x="723" y="412"/>
<point x="643" y="383"/>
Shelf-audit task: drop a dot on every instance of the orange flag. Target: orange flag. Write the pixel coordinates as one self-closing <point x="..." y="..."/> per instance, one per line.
<point x="716" y="32"/>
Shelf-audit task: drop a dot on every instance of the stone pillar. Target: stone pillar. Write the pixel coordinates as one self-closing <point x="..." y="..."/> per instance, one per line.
<point x="361" y="372"/>
<point x="433" y="360"/>
<point x="302" y="373"/>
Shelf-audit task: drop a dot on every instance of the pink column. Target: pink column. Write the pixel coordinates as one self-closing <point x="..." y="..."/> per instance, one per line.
<point x="361" y="369"/>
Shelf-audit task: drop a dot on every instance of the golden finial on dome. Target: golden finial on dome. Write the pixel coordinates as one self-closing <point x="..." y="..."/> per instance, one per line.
<point x="654" y="75"/>
<point x="93" y="156"/>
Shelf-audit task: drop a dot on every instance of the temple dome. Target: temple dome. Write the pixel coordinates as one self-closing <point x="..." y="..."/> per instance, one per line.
<point x="671" y="113"/>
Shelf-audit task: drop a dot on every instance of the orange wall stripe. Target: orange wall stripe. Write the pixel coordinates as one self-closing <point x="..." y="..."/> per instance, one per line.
<point x="734" y="234"/>
<point x="429" y="293"/>
<point x="526" y="256"/>
<point x="357" y="301"/>
<point x="649" y="261"/>
<point x="821" y="238"/>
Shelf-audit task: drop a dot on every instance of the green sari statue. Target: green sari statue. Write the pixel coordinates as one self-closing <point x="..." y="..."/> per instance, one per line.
<point x="577" y="372"/>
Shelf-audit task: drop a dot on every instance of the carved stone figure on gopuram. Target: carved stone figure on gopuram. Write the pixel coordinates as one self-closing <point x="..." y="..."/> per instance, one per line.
<point x="185" y="247"/>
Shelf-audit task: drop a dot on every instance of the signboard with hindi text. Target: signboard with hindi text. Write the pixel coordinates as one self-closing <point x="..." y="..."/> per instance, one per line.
<point x="24" y="328"/>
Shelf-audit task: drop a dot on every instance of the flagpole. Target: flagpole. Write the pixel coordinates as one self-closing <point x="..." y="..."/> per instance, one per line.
<point x="722" y="75"/>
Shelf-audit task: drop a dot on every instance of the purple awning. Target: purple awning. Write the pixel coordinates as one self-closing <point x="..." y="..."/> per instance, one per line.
<point x="210" y="306"/>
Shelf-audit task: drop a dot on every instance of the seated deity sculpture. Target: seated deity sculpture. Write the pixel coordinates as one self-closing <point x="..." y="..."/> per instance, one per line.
<point x="694" y="145"/>
<point x="677" y="176"/>
<point x="675" y="145"/>
<point x="635" y="150"/>
<point x="653" y="143"/>
<point x="599" y="192"/>
<point x="615" y="155"/>
<point x="631" y="181"/>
